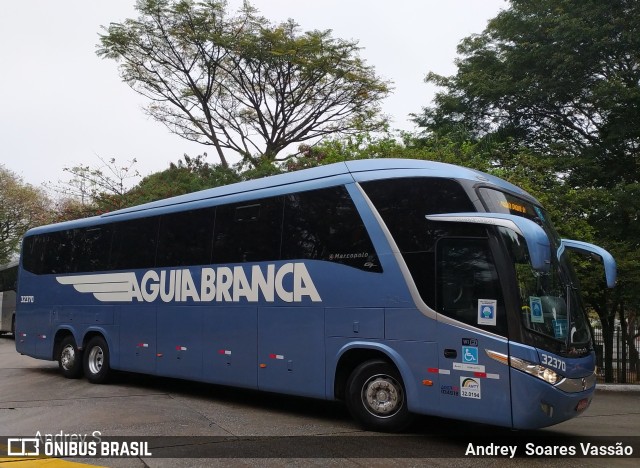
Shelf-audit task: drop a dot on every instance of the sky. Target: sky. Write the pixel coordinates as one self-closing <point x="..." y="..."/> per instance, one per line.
<point x="62" y="106"/>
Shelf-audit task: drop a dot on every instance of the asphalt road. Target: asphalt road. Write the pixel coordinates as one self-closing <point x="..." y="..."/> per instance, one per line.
<point x="247" y="428"/>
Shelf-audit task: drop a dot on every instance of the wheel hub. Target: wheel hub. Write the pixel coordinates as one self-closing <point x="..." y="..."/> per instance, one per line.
<point x="382" y="396"/>
<point x="95" y="360"/>
<point x="68" y="357"/>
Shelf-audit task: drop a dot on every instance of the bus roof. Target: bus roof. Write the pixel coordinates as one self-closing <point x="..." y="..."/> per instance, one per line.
<point x="306" y="179"/>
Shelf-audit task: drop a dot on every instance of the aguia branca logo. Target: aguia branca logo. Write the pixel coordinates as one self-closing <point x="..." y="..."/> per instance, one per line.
<point x="290" y="282"/>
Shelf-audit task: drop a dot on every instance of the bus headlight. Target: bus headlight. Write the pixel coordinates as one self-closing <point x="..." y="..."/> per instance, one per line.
<point x="536" y="370"/>
<point x="549" y="376"/>
<point x="543" y="373"/>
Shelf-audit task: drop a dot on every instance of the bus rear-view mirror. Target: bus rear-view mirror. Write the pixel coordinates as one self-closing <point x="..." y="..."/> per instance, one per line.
<point x="610" y="269"/>
<point x="537" y="240"/>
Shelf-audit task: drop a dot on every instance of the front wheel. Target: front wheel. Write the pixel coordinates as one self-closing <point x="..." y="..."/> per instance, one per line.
<point x="376" y="397"/>
<point x="70" y="358"/>
<point x="96" y="360"/>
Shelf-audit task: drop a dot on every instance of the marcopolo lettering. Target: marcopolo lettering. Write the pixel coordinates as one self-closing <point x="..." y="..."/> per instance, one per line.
<point x="290" y="282"/>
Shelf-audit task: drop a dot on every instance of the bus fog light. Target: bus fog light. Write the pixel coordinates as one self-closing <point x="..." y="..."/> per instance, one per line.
<point x="546" y="409"/>
<point x="582" y="405"/>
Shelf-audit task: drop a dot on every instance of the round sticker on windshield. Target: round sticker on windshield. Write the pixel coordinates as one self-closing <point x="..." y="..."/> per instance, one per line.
<point x="487" y="311"/>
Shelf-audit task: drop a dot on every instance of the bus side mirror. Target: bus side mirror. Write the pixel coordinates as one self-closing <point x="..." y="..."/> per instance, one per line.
<point x="610" y="269"/>
<point x="538" y="243"/>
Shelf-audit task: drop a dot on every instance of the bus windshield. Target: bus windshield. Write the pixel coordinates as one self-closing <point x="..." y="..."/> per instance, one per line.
<point x="552" y="315"/>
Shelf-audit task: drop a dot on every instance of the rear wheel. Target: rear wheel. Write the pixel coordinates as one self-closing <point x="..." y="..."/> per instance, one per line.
<point x="70" y="358"/>
<point x="96" y="360"/>
<point x="376" y="397"/>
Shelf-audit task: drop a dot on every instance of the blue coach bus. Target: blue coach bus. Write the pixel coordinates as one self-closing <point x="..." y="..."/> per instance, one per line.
<point x="397" y="286"/>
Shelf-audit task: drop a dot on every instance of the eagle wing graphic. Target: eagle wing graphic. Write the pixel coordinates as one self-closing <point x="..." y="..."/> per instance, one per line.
<point x="107" y="287"/>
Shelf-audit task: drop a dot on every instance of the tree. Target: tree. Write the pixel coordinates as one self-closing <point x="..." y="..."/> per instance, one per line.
<point x="559" y="75"/>
<point x="94" y="190"/>
<point x="560" y="80"/>
<point x="22" y="207"/>
<point x="186" y="176"/>
<point x="240" y="83"/>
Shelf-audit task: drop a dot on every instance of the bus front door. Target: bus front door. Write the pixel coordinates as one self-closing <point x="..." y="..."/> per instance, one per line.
<point x="471" y="321"/>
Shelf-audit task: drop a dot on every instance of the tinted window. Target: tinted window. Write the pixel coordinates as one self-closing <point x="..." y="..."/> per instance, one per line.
<point x="403" y="204"/>
<point x="57" y="252"/>
<point x="468" y="288"/>
<point x="248" y="232"/>
<point x="134" y="244"/>
<point x="33" y="249"/>
<point x="92" y="248"/>
<point x="186" y="238"/>
<point x="70" y="251"/>
<point x="325" y="225"/>
<point x="8" y="279"/>
<point x="319" y="224"/>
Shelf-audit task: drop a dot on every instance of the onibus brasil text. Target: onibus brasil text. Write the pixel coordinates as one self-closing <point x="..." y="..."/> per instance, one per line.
<point x="76" y="445"/>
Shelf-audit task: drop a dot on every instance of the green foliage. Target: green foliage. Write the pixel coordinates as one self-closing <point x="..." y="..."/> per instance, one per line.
<point x="187" y="176"/>
<point x="263" y="168"/>
<point x="241" y="83"/>
<point x="559" y="76"/>
<point x="363" y="145"/>
<point x="67" y="209"/>
<point x="367" y="145"/>
<point x="22" y="207"/>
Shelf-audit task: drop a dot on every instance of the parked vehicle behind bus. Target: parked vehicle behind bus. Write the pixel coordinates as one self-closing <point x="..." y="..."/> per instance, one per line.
<point x="8" y="279"/>
<point x="397" y="286"/>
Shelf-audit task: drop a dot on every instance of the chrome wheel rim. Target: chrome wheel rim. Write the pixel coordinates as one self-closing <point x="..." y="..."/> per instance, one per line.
<point x="95" y="359"/>
<point x="68" y="357"/>
<point x="382" y="396"/>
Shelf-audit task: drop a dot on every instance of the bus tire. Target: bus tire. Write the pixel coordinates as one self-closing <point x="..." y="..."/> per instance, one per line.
<point x="376" y="398"/>
<point x="70" y="358"/>
<point x="96" y="360"/>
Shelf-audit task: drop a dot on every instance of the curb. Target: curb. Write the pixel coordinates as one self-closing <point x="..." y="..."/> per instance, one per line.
<point x="618" y="387"/>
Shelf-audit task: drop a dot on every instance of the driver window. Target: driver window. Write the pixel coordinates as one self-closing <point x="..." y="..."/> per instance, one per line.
<point x="468" y="288"/>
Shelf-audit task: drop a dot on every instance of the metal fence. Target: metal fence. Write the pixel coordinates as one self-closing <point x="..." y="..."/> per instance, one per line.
<point x="624" y="363"/>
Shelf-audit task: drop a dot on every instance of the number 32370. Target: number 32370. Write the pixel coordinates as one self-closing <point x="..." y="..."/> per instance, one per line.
<point x="553" y="362"/>
<point x="27" y="299"/>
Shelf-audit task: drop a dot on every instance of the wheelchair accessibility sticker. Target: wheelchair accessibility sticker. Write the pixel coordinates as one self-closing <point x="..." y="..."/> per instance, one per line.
<point x="469" y="355"/>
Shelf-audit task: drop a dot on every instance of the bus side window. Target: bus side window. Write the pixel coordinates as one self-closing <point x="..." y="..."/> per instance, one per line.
<point x="248" y="232"/>
<point x="134" y="244"/>
<point x="59" y="254"/>
<point x="403" y="203"/>
<point x="93" y="247"/>
<point x="186" y="238"/>
<point x="33" y="249"/>
<point x="325" y="225"/>
<point x="466" y="276"/>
